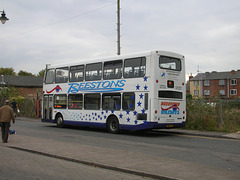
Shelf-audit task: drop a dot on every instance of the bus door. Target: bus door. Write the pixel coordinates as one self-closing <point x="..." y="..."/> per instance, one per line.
<point x="47" y="106"/>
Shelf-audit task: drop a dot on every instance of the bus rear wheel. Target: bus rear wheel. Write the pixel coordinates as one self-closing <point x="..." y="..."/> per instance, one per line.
<point x="59" y="121"/>
<point x="113" y="125"/>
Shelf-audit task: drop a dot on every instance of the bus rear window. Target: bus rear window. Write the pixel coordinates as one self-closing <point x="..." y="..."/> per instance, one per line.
<point x="170" y="94"/>
<point x="170" y="63"/>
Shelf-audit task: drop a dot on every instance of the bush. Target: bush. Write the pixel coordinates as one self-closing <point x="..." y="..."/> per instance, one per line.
<point x="217" y="115"/>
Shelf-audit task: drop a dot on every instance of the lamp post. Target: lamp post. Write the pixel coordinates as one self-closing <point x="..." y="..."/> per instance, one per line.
<point x="118" y="28"/>
<point x="3" y="18"/>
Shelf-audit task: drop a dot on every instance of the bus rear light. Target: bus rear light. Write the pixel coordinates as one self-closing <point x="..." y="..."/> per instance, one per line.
<point x="155" y="111"/>
<point x="183" y="117"/>
<point x="183" y="112"/>
<point x="183" y="83"/>
<point x="170" y="84"/>
<point x="156" y="81"/>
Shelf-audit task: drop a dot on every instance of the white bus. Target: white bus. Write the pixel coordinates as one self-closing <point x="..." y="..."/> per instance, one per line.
<point x="126" y="92"/>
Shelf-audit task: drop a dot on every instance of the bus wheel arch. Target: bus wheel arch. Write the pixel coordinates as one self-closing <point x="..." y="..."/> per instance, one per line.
<point x="59" y="120"/>
<point x="113" y="124"/>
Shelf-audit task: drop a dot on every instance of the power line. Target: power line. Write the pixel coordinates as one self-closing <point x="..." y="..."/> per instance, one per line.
<point x="61" y="21"/>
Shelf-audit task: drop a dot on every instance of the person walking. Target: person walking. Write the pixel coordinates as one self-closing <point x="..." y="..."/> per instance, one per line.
<point x="14" y="106"/>
<point x="6" y="115"/>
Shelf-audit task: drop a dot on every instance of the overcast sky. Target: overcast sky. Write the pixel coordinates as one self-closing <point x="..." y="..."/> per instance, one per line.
<point x="206" y="32"/>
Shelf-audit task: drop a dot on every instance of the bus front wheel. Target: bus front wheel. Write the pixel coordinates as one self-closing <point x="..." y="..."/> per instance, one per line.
<point x="59" y="121"/>
<point x="113" y="125"/>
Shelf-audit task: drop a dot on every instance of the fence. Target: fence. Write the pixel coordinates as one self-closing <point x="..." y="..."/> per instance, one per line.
<point x="213" y="115"/>
<point x="28" y="107"/>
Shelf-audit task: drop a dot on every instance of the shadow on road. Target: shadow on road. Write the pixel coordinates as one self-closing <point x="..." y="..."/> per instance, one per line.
<point x="142" y="133"/>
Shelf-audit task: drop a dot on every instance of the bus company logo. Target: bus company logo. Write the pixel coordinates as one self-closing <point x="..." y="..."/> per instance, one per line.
<point x="170" y="108"/>
<point x="97" y="86"/>
<point x="57" y="89"/>
<point x="163" y="74"/>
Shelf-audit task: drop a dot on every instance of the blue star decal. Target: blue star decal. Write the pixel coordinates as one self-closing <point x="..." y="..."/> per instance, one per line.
<point x="141" y="96"/>
<point x="102" y="112"/>
<point x="145" y="79"/>
<point x="106" y="111"/>
<point x="105" y="117"/>
<point x="131" y="106"/>
<point x="145" y="87"/>
<point x="127" y="112"/>
<point x="120" y="115"/>
<point x="118" y="106"/>
<point x="135" y="113"/>
<point x="138" y="87"/>
<point x="139" y="104"/>
<point x="143" y="110"/>
<point x="128" y="119"/>
<point x="112" y="111"/>
<point x="136" y="121"/>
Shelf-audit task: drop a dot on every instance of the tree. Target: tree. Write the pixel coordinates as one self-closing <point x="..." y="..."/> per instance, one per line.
<point x="7" y="71"/>
<point x="41" y="73"/>
<point x="189" y="97"/>
<point x="6" y="92"/>
<point x="24" y="73"/>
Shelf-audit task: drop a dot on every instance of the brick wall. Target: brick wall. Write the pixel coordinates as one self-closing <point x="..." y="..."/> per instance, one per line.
<point x="30" y="91"/>
<point x="215" y="88"/>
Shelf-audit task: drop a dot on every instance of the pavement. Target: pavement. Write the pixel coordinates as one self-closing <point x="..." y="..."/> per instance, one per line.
<point x="127" y="161"/>
<point x="204" y="133"/>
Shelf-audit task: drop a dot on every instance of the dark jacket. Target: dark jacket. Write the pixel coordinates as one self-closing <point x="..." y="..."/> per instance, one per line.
<point x="6" y="114"/>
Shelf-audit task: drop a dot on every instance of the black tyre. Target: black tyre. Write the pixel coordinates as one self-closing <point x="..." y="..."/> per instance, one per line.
<point x="113" y="125"/>
<point x="59" y="121"/>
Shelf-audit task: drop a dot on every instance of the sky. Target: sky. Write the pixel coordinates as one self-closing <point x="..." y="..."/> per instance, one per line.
<point x="206" y="32"/>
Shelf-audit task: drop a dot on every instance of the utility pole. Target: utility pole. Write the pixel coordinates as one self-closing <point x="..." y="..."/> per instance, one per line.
<point x="118" y="28"/>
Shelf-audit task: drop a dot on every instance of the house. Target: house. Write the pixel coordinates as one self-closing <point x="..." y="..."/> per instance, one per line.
<point x="28" y="86"/>
<point x="207" y="85"/>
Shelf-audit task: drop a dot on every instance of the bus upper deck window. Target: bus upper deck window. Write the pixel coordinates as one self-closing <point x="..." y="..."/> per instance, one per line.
<point x="61" y="75"/>
<point x="135" y="67"/>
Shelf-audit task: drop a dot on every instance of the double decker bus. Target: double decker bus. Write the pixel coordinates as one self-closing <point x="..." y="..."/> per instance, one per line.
<point x="126" y="92"/>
